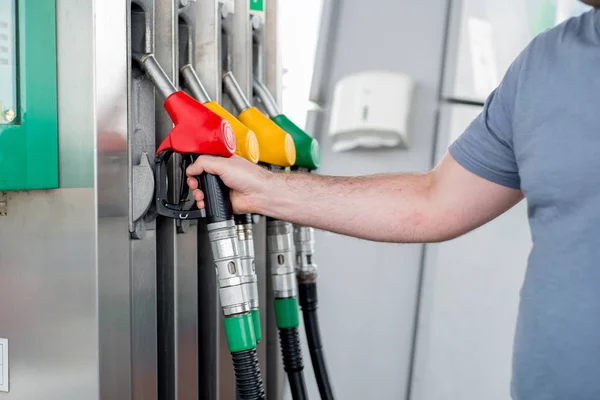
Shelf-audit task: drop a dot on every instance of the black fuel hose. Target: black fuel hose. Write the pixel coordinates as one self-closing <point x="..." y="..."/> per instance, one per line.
<point x="292" y="362"/>
<point x="307" y="293"/>
<point x="247" y="373"/>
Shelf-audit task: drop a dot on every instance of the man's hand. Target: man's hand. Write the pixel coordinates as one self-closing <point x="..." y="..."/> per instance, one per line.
<point x="430" y="207"/>
<point x="247" y="181"/>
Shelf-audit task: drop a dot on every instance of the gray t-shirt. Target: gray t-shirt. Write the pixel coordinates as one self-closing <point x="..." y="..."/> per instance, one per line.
<point x="540" y="132"/>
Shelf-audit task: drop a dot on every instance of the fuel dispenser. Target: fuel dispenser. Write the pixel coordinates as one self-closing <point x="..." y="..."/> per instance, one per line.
<point x="307" y="160"/>
<point x="197" y="130"/>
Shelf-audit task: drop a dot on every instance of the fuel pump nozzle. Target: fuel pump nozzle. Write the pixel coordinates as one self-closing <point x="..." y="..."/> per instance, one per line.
<point x="276" y="154"/>
<point x="250" y="152"/>
<point x="276" y="146"/>
<point x="197" y="130"/>
<point x="247" y="144"/>
<point x="307" y="160"/>
<point x="308" y="152"/>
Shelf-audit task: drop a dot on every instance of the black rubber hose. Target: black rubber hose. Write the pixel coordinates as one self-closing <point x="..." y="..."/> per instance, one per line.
<point x="247" y="375"/>
<point x="307" y="293"/>
<point x="292" y="362"/>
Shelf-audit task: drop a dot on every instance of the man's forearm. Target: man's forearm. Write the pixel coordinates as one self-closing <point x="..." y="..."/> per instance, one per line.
<point x="393" y="208"/>
<point x="442" y="204"/>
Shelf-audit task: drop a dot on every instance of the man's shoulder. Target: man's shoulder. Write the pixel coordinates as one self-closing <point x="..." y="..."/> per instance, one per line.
<point x="550" y="49"/>
<point x="575" y="29"/>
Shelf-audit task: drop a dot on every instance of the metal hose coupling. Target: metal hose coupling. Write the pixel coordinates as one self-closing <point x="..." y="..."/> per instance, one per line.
<point x="249" y="278"/>
<point x="226" y="253"/>
<point x="246" y="244"/>
<point x="304" y="241"/>
<point x="281" y="256"/>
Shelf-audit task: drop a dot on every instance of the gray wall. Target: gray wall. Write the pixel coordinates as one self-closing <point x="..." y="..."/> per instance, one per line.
<point x="469" y="300"/>
<point x="368" y="336"/>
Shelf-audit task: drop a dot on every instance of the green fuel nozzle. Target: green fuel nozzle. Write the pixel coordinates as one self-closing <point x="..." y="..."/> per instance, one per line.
<point x="308" y="152"/>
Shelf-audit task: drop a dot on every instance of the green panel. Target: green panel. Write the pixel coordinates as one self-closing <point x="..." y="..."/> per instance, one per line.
<point x="29" y="144"/>
<point x="257" y="5"/>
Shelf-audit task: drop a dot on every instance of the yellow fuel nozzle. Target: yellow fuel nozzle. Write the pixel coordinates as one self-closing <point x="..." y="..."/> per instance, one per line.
<point x="247" y="143"/>
<point x="276" y="145"/>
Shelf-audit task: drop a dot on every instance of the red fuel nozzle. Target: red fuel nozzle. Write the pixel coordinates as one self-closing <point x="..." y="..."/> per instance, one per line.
<point x="197" y="129"/>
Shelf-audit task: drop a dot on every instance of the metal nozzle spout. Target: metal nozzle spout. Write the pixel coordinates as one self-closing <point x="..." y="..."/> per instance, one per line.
<point x="193" y="84"/>
<point x="233" y="89"/>
<point x="265" y="97"/>
<point x="156" y="74"/>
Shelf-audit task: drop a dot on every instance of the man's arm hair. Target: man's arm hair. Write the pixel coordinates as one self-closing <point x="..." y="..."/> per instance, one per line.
<point x="405" y="208"/>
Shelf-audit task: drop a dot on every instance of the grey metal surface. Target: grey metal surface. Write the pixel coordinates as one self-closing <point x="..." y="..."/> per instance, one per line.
<point x="115" y="316"/>
<point x="208" y="46"/>
<point x="241" y="46"/>
<point x="207" y="60"/>
<point x="141" y="138"/>
<point x="66" y="266"/>
<point x="142" y="188"/>
<point x="48" y="295"/>
<point x="176" y="253"/>
<point x="275" y="376"/>
<point x="325" y="52"/>
<point x="141" y="148"/>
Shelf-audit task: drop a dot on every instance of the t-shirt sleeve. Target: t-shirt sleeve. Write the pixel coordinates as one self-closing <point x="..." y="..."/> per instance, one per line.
<point x="486" y="147"/>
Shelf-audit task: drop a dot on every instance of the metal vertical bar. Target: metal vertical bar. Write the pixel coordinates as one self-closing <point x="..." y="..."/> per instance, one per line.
<point x="111" y="194"/>
<point x="141" y="143"/>
<point x="272" y="71"/>
<point x="324" y="53"/>
<point x="241" y="46"/>
<point x="176" y="253"/>
<point x="207" y="41"/>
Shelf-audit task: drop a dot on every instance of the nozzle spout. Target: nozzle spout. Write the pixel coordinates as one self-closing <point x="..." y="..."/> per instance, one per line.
<point x="233" y="89"/>
<point x="265" y="97"/>
<point x="193" y="84"/>
<point x="156" y="74"/>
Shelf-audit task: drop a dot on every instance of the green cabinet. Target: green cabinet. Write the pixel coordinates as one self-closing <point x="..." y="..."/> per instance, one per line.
<point x="28" y="95"/>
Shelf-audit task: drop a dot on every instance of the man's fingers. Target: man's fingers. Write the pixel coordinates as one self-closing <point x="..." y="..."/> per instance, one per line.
<point x="198" y="195"/>
<point x="192" y="183"/>
<point x="208" y="164"/>
<point x="200" y="204"/>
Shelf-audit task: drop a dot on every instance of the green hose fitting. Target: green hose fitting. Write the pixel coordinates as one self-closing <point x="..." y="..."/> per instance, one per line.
<point x="239" y="330"/>
<point x="286" y="313"/>
<point x="308" y="151"/>
<point x="255" y="313"/>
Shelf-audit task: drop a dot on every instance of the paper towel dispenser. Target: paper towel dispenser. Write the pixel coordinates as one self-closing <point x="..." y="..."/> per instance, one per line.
<point x="371" y="109"/>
